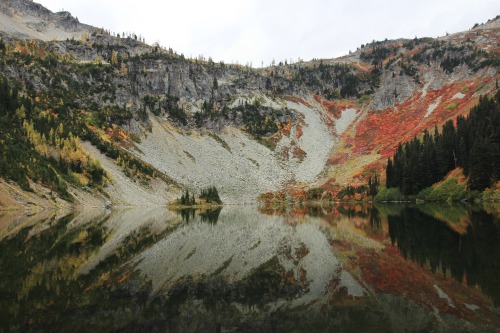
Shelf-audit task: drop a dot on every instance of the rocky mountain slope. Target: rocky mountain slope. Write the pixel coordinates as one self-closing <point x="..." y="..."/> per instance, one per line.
<point x="27" y="19"/>
<point x="159" y="123"/>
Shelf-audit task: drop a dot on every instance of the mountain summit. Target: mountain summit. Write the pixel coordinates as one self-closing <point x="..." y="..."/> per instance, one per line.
<point x="29" y="20"/>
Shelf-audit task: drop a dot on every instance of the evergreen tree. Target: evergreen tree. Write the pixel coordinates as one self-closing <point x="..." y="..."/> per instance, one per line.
<point x="480" y="166"/>
<point x="389" y="174"/>
<point x="210" y="194"/>
<point x="473" y="144"/>
<point x="373" y="185"/>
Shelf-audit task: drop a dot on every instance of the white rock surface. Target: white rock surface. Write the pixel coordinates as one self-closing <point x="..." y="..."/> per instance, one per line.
<point x="29" y="26"/>
<point x="346" y="118"/>
<point x="432" y="107"/>
<point x="243" y="169"/>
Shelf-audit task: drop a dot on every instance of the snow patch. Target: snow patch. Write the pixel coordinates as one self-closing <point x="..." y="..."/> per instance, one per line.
<point x="458" y="95"/>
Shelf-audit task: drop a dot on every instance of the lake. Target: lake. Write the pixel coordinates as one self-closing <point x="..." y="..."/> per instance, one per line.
<point x="300" y="268"/>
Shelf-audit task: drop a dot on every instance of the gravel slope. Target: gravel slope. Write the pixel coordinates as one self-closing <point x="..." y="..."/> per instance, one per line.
<point x="235" y="163"/>
<point x="240" y="172"/>
<point x="316" y="141"/>
<point x="125" y="191"/>
<point x="35" y="28"/>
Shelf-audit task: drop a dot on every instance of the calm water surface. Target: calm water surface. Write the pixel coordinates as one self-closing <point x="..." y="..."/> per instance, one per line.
<point x="346" y="268"/>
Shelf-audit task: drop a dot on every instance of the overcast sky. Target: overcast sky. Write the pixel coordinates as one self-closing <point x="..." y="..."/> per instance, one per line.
<point x="258" y="31"/>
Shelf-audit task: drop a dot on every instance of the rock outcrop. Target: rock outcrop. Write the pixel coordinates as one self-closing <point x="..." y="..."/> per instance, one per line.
<point x="29" y="20"/>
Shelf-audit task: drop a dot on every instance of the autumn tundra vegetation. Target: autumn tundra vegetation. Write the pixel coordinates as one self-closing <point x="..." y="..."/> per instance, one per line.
<point x="412" y="119"/>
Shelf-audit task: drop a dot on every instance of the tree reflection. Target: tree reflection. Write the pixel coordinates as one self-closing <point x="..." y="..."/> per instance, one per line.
<point x="44" y="289"/>
<point x="349" y="210"/>
<point x="473" y="257"/>
<point x="375" y="219"/>
<point x="187" y="214"/>
<point x="207" y="215"/>
<point x="211" y="215"/>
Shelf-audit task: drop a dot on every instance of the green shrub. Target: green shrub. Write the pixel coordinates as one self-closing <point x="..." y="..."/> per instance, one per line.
<point x="451" y="106"/>
<point x="450" y="190"/>
<point x="389" y="194"/>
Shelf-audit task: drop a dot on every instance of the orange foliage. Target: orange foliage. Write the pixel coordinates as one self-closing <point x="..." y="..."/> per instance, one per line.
<point x="286" y="129"/>
<point x="338" y="159"/>
<point x="298" y="153"/>
<point x="285" y="152"/>
<point x="296" y="99"/>
<point x="382" y="130"/>
<point x="51" y="113"/>
<point x="388" y="272"/>
<point x="364" y="67"/>
<point x="334" y="108"/>
<point x="117" y="134"/>
<point x="299" y="131"/>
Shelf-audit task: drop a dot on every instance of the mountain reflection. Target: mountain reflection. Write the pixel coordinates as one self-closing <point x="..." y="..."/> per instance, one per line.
<point x="242" y="268"/>
<point x="462" y="241"/>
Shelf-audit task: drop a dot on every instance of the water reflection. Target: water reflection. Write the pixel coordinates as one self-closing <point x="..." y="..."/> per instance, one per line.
<point x="245" y="269"/>
<point x="471" y="254"/>
<point x="318" y="210"/>
<point x="208" y="215"/>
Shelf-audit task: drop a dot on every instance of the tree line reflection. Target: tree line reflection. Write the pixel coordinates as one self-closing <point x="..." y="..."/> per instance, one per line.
<point x="210" y="215"/>
<point x="43" y="287"/>
<point x="473" y="257"/>
<point x="461" y="241"/>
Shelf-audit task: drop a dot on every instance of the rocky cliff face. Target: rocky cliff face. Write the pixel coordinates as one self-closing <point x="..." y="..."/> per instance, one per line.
<point x="247" y="131"/>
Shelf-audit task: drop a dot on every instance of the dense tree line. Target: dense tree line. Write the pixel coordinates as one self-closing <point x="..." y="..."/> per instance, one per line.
<point x="373" y="184"/>
<point x="131" y="165"/>
<point x="352" y="190"/>
<point x="378" y="53"/>
<point x="36" y="145"/>
<point x="168" y="104"/>
<point x="40" y="135"/>
<point x="209" y="194"/>
<point x="451" y="56"/>
<point x="472" y="144"/>
<point x="338" y="80"/>
<point x="256" y="122"/>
